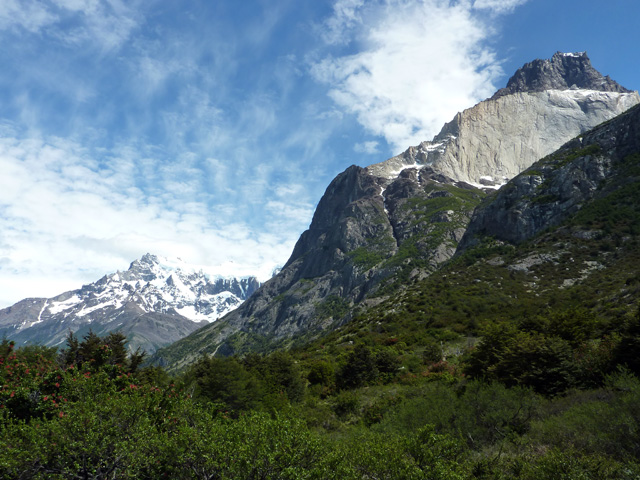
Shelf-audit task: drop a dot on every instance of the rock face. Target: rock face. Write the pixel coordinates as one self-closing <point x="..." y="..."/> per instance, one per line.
<point x="365" y="229"/>
<point x="154" y="302"/>
<point x="376" y="229"/>
<point x="546" y="103"/>
<point x="563" y="71"/>
<point x="557" y="186"/>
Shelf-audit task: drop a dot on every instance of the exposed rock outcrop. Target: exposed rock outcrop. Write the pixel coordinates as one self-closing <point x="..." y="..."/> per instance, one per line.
<point x="563" y="71"/>
<point x="545" y="104"/>
<point x="557" y="186"/>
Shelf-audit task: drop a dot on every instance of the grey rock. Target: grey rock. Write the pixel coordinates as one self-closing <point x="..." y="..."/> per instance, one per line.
<point x="557" y="186"/>
<point x="562" y="72"/>
<point x="538" y="111"/>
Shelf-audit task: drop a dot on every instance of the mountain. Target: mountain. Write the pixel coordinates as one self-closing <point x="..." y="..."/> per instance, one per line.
<point x="545" y="103"/>
<point x="155" y="302"/>
<point x="379" y="229"/>
<point x="600" y="163"/>
<point x="559" y="243"/>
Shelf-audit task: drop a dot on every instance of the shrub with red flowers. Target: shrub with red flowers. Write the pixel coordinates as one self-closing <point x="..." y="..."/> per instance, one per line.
<point x="23" y="374"/>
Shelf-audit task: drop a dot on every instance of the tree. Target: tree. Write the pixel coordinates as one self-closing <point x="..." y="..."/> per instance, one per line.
<point x="359" y="369"/>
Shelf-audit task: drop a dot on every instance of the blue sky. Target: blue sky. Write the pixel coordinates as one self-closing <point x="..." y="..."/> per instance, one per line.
<point x="208" y="130"/>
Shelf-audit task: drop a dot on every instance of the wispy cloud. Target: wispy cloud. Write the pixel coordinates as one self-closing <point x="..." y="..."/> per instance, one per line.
<point x="69" y="218"/>
<point x="193" y="129"/>
<point x="107" y="23"/>
<point x="498" y="6"/>
<point x="416" y="63"/>
<point x="366" y="147"/>
<point x="30" y="15"/>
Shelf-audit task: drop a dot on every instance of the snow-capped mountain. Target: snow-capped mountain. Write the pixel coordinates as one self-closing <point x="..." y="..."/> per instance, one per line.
<point x="155" y="302"/>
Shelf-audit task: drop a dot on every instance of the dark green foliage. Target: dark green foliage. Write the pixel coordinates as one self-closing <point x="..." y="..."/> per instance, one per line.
<point x="432" y="352"/>
<point x="254" y="383"/>
<point x="124" y="426"/>
<point x="365" y="258"/>
<point x="607" y="423"/>
<point x="481" y="414"/>
<point x="627" y="352"/>
<point x="279" y="372"/>
<point x="95" y="352"/>
<point x="226" y="381"/>
<point x="359" y="369"/>
<point x="387" y="363"/>
<point x="550" y="354"/>
<point x="320" y="373"/>
<point x="332" y="306"/>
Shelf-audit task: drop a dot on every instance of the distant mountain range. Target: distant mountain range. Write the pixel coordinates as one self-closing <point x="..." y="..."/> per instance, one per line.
<point x="155" y="302"/>
<point x="380" y="229"/>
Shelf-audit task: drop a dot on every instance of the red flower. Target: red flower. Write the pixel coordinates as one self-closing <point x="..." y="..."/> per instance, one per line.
<point x="11" y="395"/>
<point x="57" y="385"/>
<point x="61" y="414"/>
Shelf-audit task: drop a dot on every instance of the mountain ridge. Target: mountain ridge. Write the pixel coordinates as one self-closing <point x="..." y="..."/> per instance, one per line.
<point x="561" y="72"/>
<point x="156" y="301"/>
<point x="380" y="227"/>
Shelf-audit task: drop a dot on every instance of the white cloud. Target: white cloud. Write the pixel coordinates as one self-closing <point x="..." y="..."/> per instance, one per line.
<point x="108" y="23"/>
<point x="30" y="15"/>
<point x="418" y="62"/>
<point x="69" y="218"/>
<point x="366" y="147"/>
<point x="345" y="16"/>
<point x="498" y="6"/>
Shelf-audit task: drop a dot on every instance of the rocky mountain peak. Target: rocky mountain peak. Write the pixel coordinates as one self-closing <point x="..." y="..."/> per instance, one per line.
<point x="563" y="71"/>
<point x="544" y="104"/>
<point x="156" y="301"/>
<point x="146" y="260"/>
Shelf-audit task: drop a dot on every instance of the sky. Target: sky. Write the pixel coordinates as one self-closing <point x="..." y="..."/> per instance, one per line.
<point x="209" y="130"/>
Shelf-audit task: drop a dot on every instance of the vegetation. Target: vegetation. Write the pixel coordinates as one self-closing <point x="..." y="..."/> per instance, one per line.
<point x="550" y="396"/>
<point x="510" y="362"/>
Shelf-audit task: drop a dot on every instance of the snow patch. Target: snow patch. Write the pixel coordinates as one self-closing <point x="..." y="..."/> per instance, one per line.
<point x="396" y="173"/>
<point x="57" y="307"/>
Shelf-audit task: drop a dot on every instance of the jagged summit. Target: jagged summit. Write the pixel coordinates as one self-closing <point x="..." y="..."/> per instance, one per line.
<point x="155" y="302"/>
<point x="546" y="103"/>
<point x="564" y="71"/>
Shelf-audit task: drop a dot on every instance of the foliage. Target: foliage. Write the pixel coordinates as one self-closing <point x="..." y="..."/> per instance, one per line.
<point x="105" y="422"/>
<point x="332" y="306"/>
<point x="365" y="258"/>
<point x="252" y="383"/>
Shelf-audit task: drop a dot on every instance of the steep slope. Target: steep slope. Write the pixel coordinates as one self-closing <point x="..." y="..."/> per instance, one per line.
<point x="154" y="302"/>
<point x="377" y="228"/>
<point x="364" y="231"/>
<point x="564" y="236"/>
